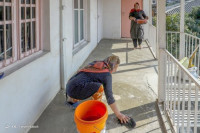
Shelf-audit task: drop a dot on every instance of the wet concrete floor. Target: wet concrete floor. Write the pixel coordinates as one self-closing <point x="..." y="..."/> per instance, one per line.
<point x="134" y="88"/>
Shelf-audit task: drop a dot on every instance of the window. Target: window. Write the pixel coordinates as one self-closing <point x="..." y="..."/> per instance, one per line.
<point x="80" y="22"/>
<point x="27" y="23"/>
<point x="6" y="33"/>
<point x="19" y="30"/>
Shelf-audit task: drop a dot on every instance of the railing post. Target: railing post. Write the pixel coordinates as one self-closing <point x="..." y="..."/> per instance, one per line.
<point x="161" y="35"/>
<point x="182" y="30"/>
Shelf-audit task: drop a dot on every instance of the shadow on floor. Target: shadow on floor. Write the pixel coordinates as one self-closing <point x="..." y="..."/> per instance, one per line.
<point x="122" y="71"/>
<point x="140" y="113"/>
<point x="57" y="118"/>
<point x="138" y="62"/>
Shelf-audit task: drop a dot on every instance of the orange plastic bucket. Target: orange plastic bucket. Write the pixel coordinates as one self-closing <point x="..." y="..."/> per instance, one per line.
<point x="91" y="116"/>
<point x="141" y="21"/>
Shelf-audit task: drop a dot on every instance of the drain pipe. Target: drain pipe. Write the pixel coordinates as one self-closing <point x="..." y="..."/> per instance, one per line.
<point x="62" y="41"/>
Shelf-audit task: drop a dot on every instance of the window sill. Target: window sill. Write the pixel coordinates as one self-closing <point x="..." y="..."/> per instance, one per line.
<point x="79" y="47"/>
<point x="21" y="63"/>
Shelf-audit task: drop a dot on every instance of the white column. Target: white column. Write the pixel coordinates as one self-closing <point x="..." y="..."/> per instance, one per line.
<point x="150" y="11"/>
<point x="182" y="30"/>
<point x="146" y="8"/>
<point x="161" y="42"/>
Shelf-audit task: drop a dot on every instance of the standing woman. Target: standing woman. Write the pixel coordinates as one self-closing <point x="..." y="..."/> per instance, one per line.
<point x="137" y="32"/>
<point x="92" y="81"/>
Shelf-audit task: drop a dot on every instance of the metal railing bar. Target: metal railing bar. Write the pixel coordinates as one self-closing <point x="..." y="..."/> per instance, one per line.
<point x="174" y="87"/>
<point x="190" y="76"/>
<point x="189" y="108"/>
<point x="196" y="110"/>
<point x="179" y="82"/>
<point x="183" y="103"/>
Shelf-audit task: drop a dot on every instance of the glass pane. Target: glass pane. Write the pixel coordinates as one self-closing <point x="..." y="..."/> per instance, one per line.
<point x="33" y="12"/>
<point x="8" y="0"/>
<point x="23" y="13"/>
<point x="33" y="34"/>
<point x="1" y="13"/>
<point x="75" y="4"/>
<point x="8" y="13"/>
<point x="1" y="42"/>
<point x="23" y="37"/>
<point x="22" y="1"/>
<point x="28" y="13"/>
<point x="81" y="25"/>
<point x="33" y="1"/>
<point x="28" y="35"/>
<point x="76" y="36"/>
<point x="28" y="2"/>
<point x="9" y="40"/>
<point x="81" y="4"/>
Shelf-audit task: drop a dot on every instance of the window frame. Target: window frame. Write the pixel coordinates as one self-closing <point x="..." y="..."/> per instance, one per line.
<point x="25" y="21"/>
<point x="6" y="61"/>
<point x="84" y="40"/>
<point x="16" y="21"/>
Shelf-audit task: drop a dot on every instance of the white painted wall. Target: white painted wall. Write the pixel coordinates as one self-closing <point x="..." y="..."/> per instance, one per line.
<point x="25" y="93"/>
<point x="100" y="20"/>
<point x="148" y="11"/>
<point x="112" y="19"/>
<point x="73" y="62"/>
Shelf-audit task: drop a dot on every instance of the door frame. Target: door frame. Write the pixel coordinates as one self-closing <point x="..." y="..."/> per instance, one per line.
<point x="121" y="19"/>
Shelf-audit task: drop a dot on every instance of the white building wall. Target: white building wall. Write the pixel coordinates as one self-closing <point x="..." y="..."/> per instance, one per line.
<point x="25" y="93"/>
<point x="112" y="19"/>
<point x="100" y="20"/>
<point x="72" y="62"/>
<point x="148" y="11"/>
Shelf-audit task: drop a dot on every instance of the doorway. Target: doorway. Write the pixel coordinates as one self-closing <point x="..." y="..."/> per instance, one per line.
<point x="126" y="6"/>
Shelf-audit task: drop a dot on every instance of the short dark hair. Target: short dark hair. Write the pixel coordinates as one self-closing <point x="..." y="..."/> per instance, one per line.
<point x="136" y="3"/>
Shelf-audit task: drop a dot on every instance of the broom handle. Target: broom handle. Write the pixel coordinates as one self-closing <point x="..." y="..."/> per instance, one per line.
<point x="192" y="57"/>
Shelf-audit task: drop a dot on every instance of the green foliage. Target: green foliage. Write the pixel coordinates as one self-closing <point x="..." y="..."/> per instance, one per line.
<point x="192" y="26"/>
<point x="173" y="41"/>
<point x="154" y="21"/>
<point x="195" y="14"/>
<point x="192" y="22"/>
<point x="173" y="22"/>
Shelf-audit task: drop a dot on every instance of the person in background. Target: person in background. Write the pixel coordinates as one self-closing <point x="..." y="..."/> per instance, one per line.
<point x="92" y="81"/>
<point x="137" y="32"/>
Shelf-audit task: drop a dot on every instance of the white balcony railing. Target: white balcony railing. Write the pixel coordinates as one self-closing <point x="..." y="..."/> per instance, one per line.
<point x="182" y="96"/>
<point x="173" y="43"/>
<point x="191" y="43"/>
